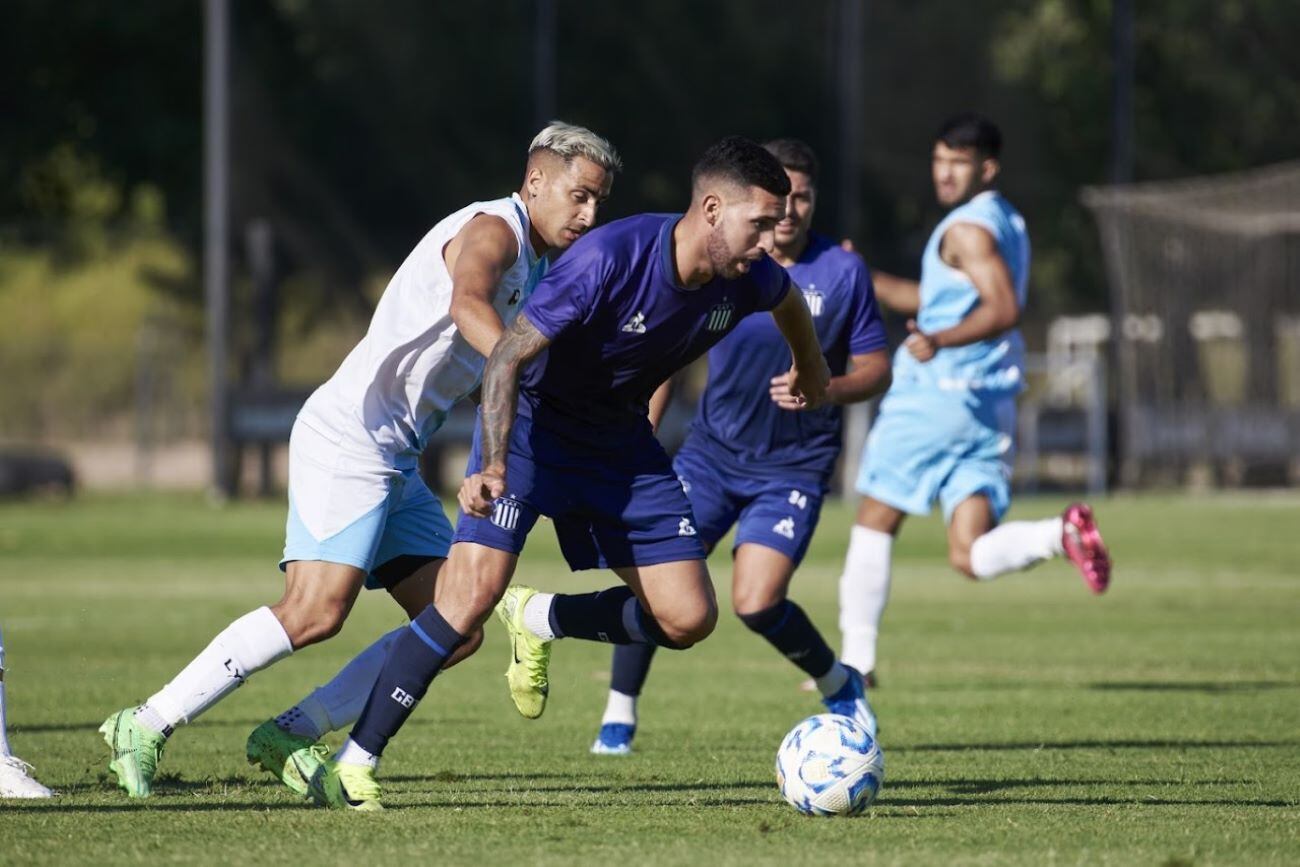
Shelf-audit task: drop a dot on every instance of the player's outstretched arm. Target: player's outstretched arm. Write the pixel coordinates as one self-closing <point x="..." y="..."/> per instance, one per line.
<point x="477" y="258"/>
<point x="520" y="344"/>
<point x="899" y="294"/>
<point x="972" y="250"/>
<point x="810" y="375"/>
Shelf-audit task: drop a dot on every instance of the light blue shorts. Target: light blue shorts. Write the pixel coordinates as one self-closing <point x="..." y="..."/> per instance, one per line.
<point x="940" y="445"/>
<point x="357" y="509"/>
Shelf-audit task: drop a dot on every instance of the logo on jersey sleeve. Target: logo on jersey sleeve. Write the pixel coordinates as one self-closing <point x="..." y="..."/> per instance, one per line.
<point x="720" y="316"/>
<point x="684" y="527"/>
<point x="514" y="299"/>
<point x="784" y="527"/>
<point x="815" y="300"/>
<point x="636" y="325"/>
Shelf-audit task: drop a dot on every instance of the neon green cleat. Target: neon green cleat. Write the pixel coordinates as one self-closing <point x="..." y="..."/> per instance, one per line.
<point x="291" y="759"/>
<point x="530" y="656"/>
<point x="347" y="786"/>
<point x="136" y="751"/>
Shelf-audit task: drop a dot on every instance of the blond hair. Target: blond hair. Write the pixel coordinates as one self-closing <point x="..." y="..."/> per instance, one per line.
<point x="568" y="141"/>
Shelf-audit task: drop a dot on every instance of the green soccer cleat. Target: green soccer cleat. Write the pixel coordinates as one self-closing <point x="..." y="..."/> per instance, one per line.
<point x="291" y="759"/>
<point x="136" y="751"/>
<point x="530" y="656"/>
<point x="351" y="787"/>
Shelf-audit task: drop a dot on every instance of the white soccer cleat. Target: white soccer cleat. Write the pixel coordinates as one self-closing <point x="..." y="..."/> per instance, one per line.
<point x="16" y="780"/>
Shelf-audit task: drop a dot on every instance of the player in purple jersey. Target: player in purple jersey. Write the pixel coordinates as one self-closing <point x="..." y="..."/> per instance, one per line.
<point x="564" y="432"/>
<point x="760" y="462"/>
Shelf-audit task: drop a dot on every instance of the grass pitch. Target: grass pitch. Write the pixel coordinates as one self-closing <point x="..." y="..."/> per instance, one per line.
<point x="1023" y="721"/>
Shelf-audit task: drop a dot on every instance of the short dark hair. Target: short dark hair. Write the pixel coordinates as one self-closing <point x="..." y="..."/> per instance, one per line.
<point x="971" y="130"/>
<point x="744" y="162"/>
<point x="794" y="155"/>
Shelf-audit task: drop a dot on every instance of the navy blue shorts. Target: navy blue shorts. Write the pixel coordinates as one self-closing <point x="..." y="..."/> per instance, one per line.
<point x="778" y="512"/>
<point x="612" y="507"/>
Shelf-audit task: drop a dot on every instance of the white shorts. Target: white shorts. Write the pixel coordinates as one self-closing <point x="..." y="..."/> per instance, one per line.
<point x="359" y="508"/>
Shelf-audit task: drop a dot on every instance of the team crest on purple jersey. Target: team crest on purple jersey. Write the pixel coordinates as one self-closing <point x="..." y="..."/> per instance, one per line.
<point x="815" y="300"/>
<point x="720" y="316"/>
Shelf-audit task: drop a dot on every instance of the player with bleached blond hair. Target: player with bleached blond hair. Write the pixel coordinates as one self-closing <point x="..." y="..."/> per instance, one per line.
<point x="359" y="513"/>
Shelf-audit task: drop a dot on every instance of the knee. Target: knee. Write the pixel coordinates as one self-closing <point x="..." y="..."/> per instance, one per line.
<point x="690" y="627"/>
<point x="959" y="559"/>
<point x="310" y="621"/>
<point x="748" y="602"/>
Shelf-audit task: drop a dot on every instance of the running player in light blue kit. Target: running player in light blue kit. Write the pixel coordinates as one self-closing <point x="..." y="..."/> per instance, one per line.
<point x="946" y="428"/>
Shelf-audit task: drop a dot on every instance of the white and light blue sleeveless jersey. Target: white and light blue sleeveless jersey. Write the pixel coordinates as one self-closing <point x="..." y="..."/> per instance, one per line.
<point x="399" y="383"/>
<point x="948" y="296"/>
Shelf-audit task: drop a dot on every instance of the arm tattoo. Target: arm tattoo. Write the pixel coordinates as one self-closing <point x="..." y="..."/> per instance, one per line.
<point x="520" y="343"/>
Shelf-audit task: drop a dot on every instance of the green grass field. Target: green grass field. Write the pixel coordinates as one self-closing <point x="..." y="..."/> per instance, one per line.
<point x="1023" y="721"/>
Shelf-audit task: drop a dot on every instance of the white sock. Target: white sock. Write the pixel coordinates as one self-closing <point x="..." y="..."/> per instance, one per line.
<point x="352" y="754"/>
<point x="537" y="615"/>
<point x="832" y="681"/>
<point x="619" y="708"/>
<point x="248" y="645"/>
<point x="1015" y="545"/>
<point x="864" y="590"/>
<point x="4" y="727"/>
<point x="339" y="703"/>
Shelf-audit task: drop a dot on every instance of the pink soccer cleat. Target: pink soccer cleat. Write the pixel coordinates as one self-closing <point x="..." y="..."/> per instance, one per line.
<point x="1083" y="545"/>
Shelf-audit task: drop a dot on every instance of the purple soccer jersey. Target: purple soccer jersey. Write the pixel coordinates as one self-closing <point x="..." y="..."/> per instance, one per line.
<point x="738" y="422"/>
<point x="620" y="324"/>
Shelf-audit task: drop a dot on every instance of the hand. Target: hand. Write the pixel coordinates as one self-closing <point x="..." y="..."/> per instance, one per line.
<point x="479" y="491"/>
<point x="921" y="345"/>
<point x="808" y="387"/>
<point x="783" y="397"/>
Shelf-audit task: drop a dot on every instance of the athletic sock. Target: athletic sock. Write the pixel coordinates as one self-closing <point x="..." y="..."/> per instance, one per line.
<point x="338" y="704"/>
<point x="631" y="667"/>
<point x="619" y="708"/>
<point x="4" y="728"/>
<point x="787" y="628"/>
<point x="414" y="659"/>
<point x="864" y="590"/>
<point x="537" y="615"/>
<point x="353" y="754"/>
<point x="614" y="616"/>
<point x="1015" y="545"/>
<point x="833" y="681"/>
<point x="246" y="646"/>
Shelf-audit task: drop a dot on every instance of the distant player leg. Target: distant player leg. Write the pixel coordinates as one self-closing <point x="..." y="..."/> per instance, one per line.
<point x="760" y="589"/>
<point x="864" y="584"/>
<point x="16" y="779"/>
<point x="1018" y="545"/>
<point x="629" y="669"/>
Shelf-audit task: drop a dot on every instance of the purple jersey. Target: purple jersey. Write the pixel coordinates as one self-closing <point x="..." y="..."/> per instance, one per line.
<point x="737" y="420"/>
<point x="620" y="324"/>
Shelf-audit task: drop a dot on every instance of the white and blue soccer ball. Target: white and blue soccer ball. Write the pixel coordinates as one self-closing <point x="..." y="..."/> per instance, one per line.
<point x="829" y="765"/>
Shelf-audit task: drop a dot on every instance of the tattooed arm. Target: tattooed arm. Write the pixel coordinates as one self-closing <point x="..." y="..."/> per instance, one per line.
<point x="520" y="344"/>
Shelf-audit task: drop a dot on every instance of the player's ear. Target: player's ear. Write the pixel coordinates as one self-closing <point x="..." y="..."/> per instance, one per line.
<point x="712" y="207"/>
<point x="989" y="170"/>
<point x="534" y="180"/>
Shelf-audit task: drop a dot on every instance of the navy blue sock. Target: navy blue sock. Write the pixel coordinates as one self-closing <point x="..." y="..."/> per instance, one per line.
<point x="789" y="630"/>
<point x="413" y="660"/>
<point x="614" y="616"/>
<point x="631" y="667"/>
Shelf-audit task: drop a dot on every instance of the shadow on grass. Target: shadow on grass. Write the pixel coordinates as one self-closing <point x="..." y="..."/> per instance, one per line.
<point x="1206" y="686"/>
<point x="1119" y="801"/>
<point x="1092" y="745"/>
<point x="979" y="787"/>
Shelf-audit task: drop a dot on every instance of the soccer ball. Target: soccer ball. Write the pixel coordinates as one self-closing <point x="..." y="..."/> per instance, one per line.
<point x="829" y="765"/>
